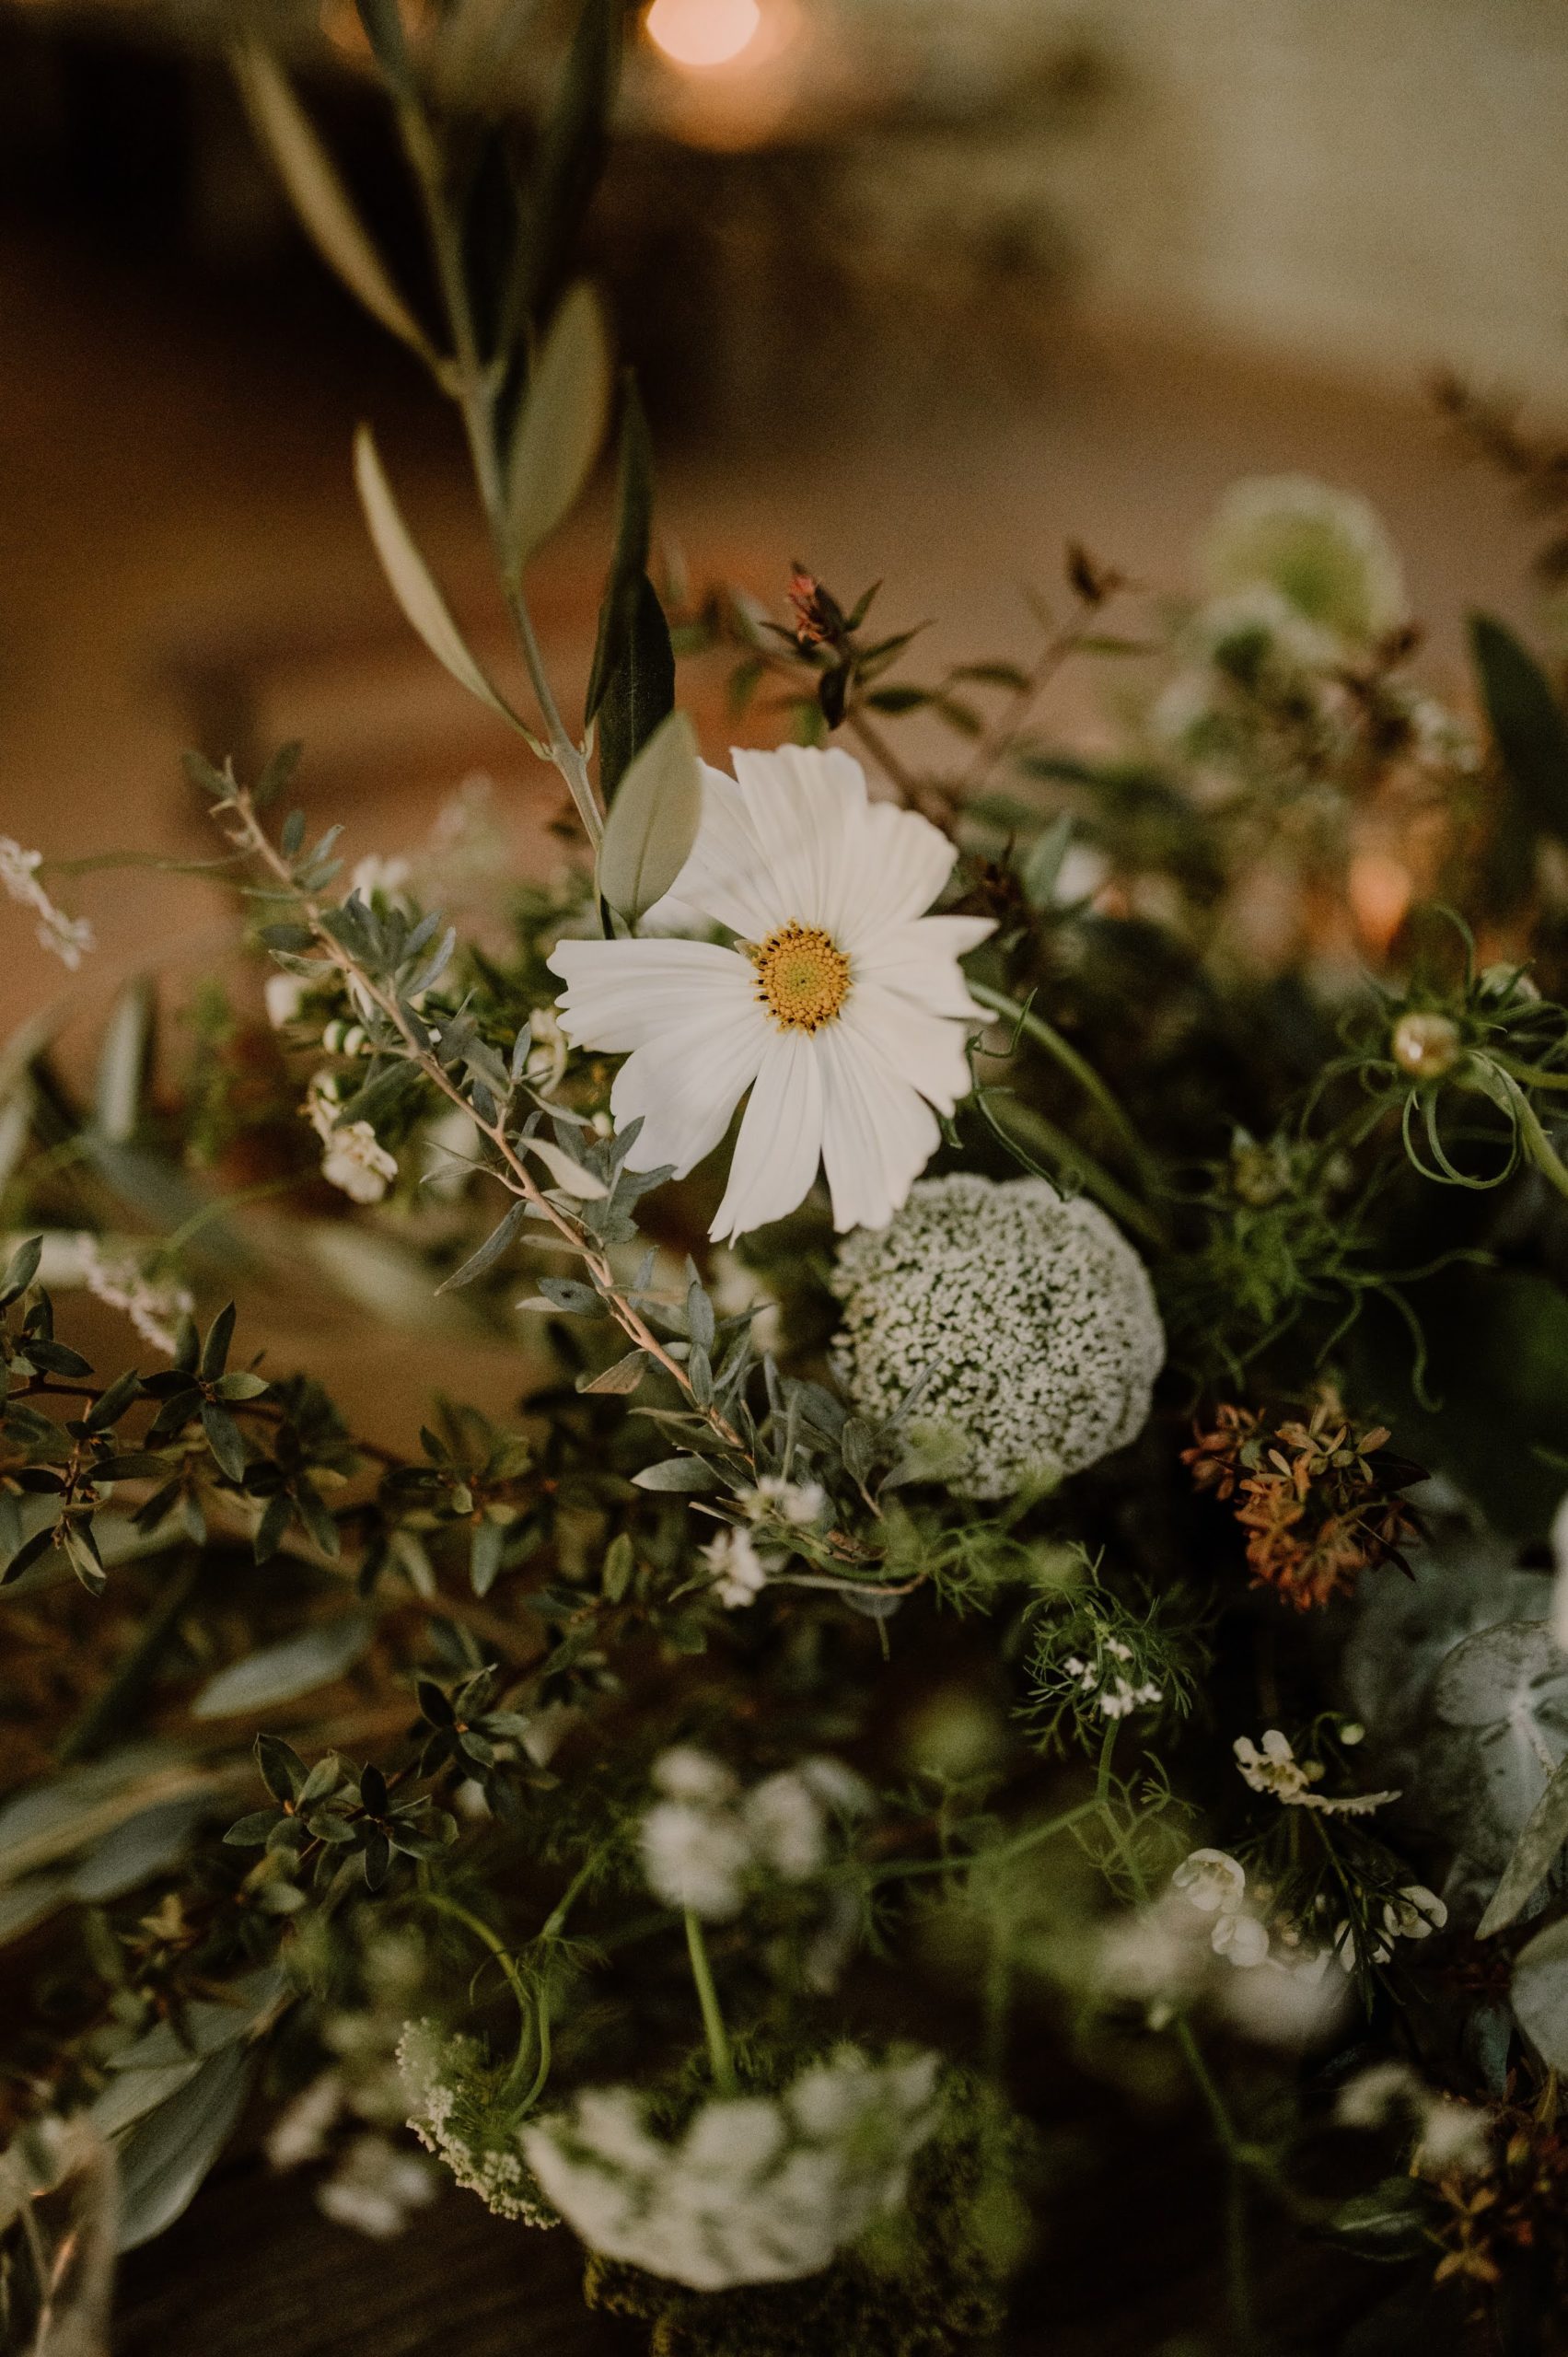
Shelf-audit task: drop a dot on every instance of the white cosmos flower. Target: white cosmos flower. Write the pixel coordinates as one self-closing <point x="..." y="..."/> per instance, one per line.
<point x="842" y="1007"/>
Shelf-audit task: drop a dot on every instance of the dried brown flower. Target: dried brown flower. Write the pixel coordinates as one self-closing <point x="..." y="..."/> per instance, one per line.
<point x="1316" y="1510"/>
<point x="1521" y="2204"/>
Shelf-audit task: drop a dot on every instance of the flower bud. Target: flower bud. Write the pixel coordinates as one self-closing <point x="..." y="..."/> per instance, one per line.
<point x="1426" y="1045"/>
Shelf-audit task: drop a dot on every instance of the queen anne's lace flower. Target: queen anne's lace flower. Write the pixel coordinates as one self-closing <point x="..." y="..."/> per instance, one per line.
<point x="756" y="2189"/>
<point x="705" y="1842"/>
<point x="457" y="2111"/>
<point x="1028" y="1319"/>
<point x="841" y="1006"/>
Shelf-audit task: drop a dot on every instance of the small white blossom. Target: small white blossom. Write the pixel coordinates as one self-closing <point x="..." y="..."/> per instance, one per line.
<point x="1213" y="1880"/>
<point x="1027" y="1319"/>
<point x="1240" y="1937"/>
<point x="798" y="1503"/>
<point x="354" y="1159"/>
<point x="739" y="1573"/>
<point x="283" y="996"/>
<point x="756" y="2189"/>
<point x="684" y="1773"/>
<point x="545" y="1065"/>
<point x="1452" y="2139"/>
<point x="783" y="1818"/>
<point x="153" y="1305"/>
<point x="1415" y="1914"/>
<point x="1350" y="1952"/>
<point x="67" y="938"/>
<point x="374" y="874"/>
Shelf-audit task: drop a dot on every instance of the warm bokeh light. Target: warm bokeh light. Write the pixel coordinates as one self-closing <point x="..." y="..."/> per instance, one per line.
<point x="704" y="32"/>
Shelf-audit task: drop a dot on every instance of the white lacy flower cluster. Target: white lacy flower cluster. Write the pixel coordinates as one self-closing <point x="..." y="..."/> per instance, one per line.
<point x="705" y="1842"/>
<point x="153" y="1305"/>
<point x="1027" y="1319"/>
<point x="756" y="2189"/>
<point x="1106" y="1681"/>
<point x="451" y="2109"/>
<point x="1275" y="1768"/>
<point x="67" y="938"/>
<point x="354" y="1157"/>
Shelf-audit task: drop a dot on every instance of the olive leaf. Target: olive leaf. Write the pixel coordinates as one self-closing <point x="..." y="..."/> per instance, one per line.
<point x="563" y="422"/>
<point x="568" y="1175"/>
<point x="278" y="1673"/>
<point x="653" y="820"/>
<point x="319" y="196"/>
<point x="410" y="577"/>
<point x="1505" y="1693"/>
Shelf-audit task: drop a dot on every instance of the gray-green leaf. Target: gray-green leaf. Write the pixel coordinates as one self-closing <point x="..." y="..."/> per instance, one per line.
<point x="279" y="1672"/>
<point x="1541" y="1993"/>
<point x="653" y="822"/>
<point x="410" y="577"/>
<point x="564" y="420"/>
<point x="1534" y="1852"/>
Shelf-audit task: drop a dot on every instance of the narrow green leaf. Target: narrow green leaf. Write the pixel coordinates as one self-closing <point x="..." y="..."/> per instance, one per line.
<point x="621" y="1378"/>
<point x="629" y="559"/>
<point x="653" y="820"/>
<point x="319" y="196"/>
<point x="409" y="578"/>
<point x="1527" y="723"/>
<point x="681" y="1473"/>
<point x="568" y="1174"/>
<point x="640" y="691"/>
<point x="562" y="422"/>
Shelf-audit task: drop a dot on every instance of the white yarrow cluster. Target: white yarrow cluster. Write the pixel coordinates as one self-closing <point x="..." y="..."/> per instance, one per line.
<point x="705" y="1842"/>
<point x="756" y="2189"/>
<point x="1105" y="1679"/>
<point x="67" y="938"/>
<point x="1028" y="1319"/>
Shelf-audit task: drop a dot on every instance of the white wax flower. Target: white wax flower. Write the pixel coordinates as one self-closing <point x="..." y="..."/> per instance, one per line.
<point x="1275" y="1768"/>
<point x="739" y="1573"/>
<point x="1027" y="1320"/>
<point x="841" y="1005"/>
<point x="756" y="2189"/>
<point x="1213" y="1880"/>
<point x="354" y="1159"/>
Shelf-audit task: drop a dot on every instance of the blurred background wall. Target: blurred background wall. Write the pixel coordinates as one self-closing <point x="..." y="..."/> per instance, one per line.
<point x="919" y="289"/>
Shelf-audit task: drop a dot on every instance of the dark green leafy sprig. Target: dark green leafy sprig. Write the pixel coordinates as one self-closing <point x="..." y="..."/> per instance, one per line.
<point x="334" y="1813"/>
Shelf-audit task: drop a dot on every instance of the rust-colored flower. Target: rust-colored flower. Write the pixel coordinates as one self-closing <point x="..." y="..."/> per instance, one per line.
<point x="1316" y="1509"/>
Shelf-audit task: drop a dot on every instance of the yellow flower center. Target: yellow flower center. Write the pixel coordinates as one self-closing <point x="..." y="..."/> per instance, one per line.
<point x="802" y="976"/>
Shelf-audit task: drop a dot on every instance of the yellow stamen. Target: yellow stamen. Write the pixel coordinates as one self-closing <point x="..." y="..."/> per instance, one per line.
<point x="802" y="976"/>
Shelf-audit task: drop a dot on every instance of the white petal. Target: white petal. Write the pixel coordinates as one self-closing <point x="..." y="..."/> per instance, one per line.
<point x="726" y="877"/>
<point x="623" y="995"/>
<point x="780" y="1142"/>
<point x="877" y="1132"/>
<point x="927" y="1051"/>
<point x="891" y="864"/>
<point x="684" y="1088"/>
<point x="920" y="962"/>
<point x="801" y="804"/>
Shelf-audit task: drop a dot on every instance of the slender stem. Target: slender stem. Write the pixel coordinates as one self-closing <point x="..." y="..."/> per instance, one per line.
<point x="515" y="1174"/>
<point x="473" y="387"/>
<point x="491" y="1939"/>
<point x="1035" y="1027"/>
<point x="1071" y="1156"/>
<point x="719" y="2056"/>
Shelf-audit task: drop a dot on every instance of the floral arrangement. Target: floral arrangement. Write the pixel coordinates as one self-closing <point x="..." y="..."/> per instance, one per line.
<point x="1015" y="1622"/>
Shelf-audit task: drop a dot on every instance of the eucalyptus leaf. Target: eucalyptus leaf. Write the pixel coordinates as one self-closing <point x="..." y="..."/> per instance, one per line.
<point x="562" y="425"/>
<point x="165" y="2157"/>
<point x="318" y="196"/>
<point x="1505" y="1693"/>
<point x="1534" y="1855"/>
<point x="1541" y="1993"/>
<point x="279" y="1673"/>
<point x="652" y="824"/>
<point x="409" y="578"/>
